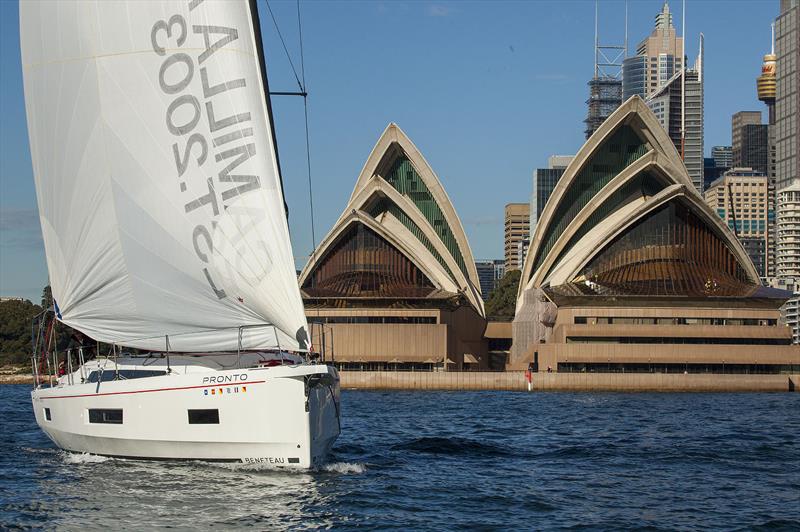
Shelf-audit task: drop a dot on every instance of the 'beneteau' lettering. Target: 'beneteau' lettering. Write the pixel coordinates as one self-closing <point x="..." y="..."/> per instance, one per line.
<point x="263" y="460"/>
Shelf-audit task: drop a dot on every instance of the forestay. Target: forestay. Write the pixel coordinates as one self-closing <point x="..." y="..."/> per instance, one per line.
<point x="158" y="186"/>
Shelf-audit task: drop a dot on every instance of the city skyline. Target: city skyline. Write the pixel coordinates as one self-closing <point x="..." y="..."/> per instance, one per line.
<point x="469" y="55"/>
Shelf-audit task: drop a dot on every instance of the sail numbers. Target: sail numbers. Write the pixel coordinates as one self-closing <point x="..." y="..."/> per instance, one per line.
<point x="200" y="129"/>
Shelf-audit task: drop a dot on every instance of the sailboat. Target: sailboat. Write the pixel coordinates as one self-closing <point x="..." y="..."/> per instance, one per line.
<point x="165" y="228"/>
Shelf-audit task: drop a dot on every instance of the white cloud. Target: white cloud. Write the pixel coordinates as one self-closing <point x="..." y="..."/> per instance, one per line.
<point x="439" y="10"/>
<point x="19" y="228"/>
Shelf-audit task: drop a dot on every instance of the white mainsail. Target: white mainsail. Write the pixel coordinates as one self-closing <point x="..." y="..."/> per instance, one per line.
<point x="156" y="177"/>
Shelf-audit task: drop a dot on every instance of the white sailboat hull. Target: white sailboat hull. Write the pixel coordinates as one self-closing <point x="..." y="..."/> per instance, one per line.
<point x="286" y="416"/>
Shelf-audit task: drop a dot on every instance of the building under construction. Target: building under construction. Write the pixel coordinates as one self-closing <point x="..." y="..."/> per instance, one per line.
<point x="605" y="95"/>
<point x="605" y="87"/>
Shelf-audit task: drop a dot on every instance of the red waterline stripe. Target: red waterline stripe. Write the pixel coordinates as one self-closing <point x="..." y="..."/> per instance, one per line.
<point x="243" y="383"/>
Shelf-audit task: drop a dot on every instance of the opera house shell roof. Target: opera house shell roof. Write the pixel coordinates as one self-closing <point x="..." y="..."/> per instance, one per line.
<point x="398" y="238"/>
<point x="625" y="222"/>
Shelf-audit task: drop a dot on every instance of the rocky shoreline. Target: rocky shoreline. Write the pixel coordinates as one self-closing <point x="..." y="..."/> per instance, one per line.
<point x="15" y="375"/>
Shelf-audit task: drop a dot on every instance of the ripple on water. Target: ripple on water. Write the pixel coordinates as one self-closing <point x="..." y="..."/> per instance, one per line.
<point x="775" y="525"/>
<point x="453" y="446"/>
<point x="448" y="461"/>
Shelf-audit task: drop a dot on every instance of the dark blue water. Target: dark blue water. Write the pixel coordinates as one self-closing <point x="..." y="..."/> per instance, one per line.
<point x="485" y="460"/>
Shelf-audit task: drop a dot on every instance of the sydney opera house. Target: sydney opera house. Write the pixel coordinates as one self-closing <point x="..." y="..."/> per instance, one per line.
<point x="394" y="282"/>
<point x="629" y="270"/>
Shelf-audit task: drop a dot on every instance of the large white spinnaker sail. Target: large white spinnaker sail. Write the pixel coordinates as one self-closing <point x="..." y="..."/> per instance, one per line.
<point x="157" y="181"/>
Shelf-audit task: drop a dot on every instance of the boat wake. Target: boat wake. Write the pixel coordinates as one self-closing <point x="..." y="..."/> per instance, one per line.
<point x="345" y="468"/>
<point x="342" y="468"/>
<point x="40" y="450"/>
<point x="84" y="458"/>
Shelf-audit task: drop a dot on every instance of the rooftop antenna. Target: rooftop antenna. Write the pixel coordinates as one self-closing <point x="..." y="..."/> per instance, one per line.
<point x="683" y="81"/>
<point x="772" y="49"/>
<point x="626" y="28"/>
<point x="699" y="61"/>
<point x="608" y="57"/>
<point x="596" y="42"/>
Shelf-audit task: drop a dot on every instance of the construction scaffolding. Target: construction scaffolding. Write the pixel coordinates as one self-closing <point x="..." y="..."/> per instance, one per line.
<point x="605" y="87"/>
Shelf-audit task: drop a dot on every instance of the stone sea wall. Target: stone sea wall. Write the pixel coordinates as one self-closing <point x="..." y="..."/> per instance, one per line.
<point x="15" y="375"/>
<point x="515" y="380"/>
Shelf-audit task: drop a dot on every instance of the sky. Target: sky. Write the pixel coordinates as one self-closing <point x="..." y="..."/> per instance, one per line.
<point x="486" y="90"/>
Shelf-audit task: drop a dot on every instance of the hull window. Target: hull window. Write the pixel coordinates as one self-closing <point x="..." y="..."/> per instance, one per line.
<point x="110" y="416"/>
<point x="47" y="414"/>
<point x="204" y="417"/>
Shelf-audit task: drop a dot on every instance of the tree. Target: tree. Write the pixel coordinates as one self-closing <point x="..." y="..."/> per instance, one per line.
<point x="502" y="301"/>
<point x="47" y="297"/>
<point x="15" y="330"/>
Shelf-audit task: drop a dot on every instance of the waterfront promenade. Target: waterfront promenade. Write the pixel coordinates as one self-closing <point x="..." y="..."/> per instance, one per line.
<point x="515" y="381"/>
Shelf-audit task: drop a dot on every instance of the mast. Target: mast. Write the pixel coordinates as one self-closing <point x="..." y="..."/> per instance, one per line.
<point x="268" y="99"/>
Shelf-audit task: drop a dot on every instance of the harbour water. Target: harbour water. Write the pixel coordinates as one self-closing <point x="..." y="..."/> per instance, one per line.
<point x="448" y="460"/>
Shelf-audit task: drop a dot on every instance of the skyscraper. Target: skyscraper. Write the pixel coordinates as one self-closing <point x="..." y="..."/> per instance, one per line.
<point x="683" y="121"/>
<point x="766" y="85"/>
<point x="544" y="181"/>
<point x="743" y="199"/>
<point x="658" y="58"/>
<point x="517" y="229"/>
<point x="787" y="156"/>
<point x="788" y="253"/>
<point x="750" y="141"/>
<point x="489" y="272"/>
<point x="787" y="95"/>
<point x="751" y="148"/>
<point x="721" y="161"/>
<point x="711" y="172"/>
<point x="766" y="82"/>
<point x="788" y="223"/>
<point x="723" y="156"/>
<point x="522" y="250"/>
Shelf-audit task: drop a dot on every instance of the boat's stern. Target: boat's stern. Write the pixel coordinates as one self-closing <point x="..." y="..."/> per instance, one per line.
<point x="320" y="406"/>
<point x="324" y="412"/>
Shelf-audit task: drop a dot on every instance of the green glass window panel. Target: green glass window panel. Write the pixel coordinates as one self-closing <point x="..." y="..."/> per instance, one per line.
<point x="618" y="152"/>
<point x="643" y="185"/>
<point x="404" y="178"/>
<point x="385" y="205"/>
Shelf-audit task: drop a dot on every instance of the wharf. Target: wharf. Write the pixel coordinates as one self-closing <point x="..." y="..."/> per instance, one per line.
<point x="545" y="382"/>
<point x="573" y="382"/>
